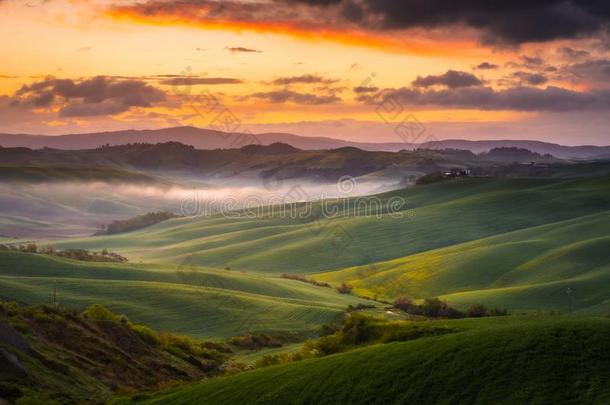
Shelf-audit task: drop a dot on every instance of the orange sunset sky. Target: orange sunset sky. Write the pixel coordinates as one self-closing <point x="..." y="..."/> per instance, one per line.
<point x="348" y="69"/>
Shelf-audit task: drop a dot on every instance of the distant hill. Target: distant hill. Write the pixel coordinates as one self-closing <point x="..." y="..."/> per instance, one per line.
<point x="141" y="162"/>
<point x="279" y="161"/>
<point x="211" y="139"/>
<point x="559" y="151"/>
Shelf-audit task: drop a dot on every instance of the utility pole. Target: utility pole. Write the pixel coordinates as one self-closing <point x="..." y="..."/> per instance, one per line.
<point x="569" y="294"/>
<point x="54" y="295"/>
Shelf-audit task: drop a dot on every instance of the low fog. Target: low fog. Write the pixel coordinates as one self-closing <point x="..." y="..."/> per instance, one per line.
<point x="57" y="210"/>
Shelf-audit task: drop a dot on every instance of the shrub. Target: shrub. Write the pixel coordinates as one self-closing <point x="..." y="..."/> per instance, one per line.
<point x="324" y="346"/>
<point x="169" y="340"/>
<point x="98" y="312"/>
<point x="147" y="334"/>
<point x="220" y="347"/>
<point x="272" y="360"/>
<point x="431" y="308"/>
<point x="233" y="367"/>
<point x="357" y="329"/>
<point x="138" y="222"/>
<point x="255" y="341"/>
<point x="477" y="311"/>
<point x="344" y="288"/>
<point x="9" y="307"/>
<point x="404" y="304"/>
<point x="327" y="329"/>
<point x="41" y="316"/>
<point x="304" y="279"/>
<point x="359" y="307"/>
<point x="435" y="308"/>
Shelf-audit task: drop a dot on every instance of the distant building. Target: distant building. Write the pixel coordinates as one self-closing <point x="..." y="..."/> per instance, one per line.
<point x="457" y="172"/>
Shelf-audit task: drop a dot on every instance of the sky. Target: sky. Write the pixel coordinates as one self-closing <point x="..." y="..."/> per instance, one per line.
<point x="364" y="70"/>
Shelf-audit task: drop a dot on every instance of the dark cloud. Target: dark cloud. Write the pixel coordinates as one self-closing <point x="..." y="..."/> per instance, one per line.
<point x="82" y="109"/>
<point x="238" y="49"/>
<point x="303" y="79"/>
<point x="486" y="66"/>
<point x="513" y="22"/>
<point x="87" y="97"/>
<point x="505" y="23"/>
<point x="451" y="79"/>
<point x="486" y="98"/>
<point x="365" y="89"/>
<point x="596" y="70"/>
<point x="193" y="81"/>
<point x="573" y="53"/>
<point x="529" y="78"/>
<point x="534" y="63"/>
<point x="284" y="96"/>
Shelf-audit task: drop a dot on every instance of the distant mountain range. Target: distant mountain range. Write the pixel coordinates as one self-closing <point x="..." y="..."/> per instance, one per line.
<point x="211" y="139"/>
<point x="276" y="162"/>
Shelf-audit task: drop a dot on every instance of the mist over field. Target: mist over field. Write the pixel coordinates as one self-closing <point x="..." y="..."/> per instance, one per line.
<point x="78" y="208"/>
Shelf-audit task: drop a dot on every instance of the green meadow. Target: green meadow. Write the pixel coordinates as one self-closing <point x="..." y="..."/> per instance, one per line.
<point x="512" y="243"/>
<point x="533" y="246"/>
<point x="535" y="360"/>
<point x="202" y="303"/>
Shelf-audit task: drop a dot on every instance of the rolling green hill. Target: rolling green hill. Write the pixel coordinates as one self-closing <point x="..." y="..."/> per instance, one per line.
<point x="433" y="216"/>
<point x="200" y="302"/>
<point x="500" y="361"/>
<point x="525" y="269"/>
<point x="516" y="244"/>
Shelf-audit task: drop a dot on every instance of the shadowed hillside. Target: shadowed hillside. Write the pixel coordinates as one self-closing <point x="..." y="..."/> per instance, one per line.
<point x="54" y="355"/>
<point x="563" y="360"/>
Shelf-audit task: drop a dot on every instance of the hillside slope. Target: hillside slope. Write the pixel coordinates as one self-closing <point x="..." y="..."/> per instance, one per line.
<point x="199" y="302"/>
<point x="429" y="217"/>
<point x="210" y="139"/>
<point x="562" y="360"/>
<point x="53" y="355"/>
<point x="530" y="268"/>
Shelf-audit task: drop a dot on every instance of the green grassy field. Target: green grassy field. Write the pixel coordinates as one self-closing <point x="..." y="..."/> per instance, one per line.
<point x="524" y="269"/>
<point x="513" y="243"/>
<point x="434" y="216"/>
<point x="203" y="303"/>
<point x="516" y="244"/>
<point x="534" y="360"/>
